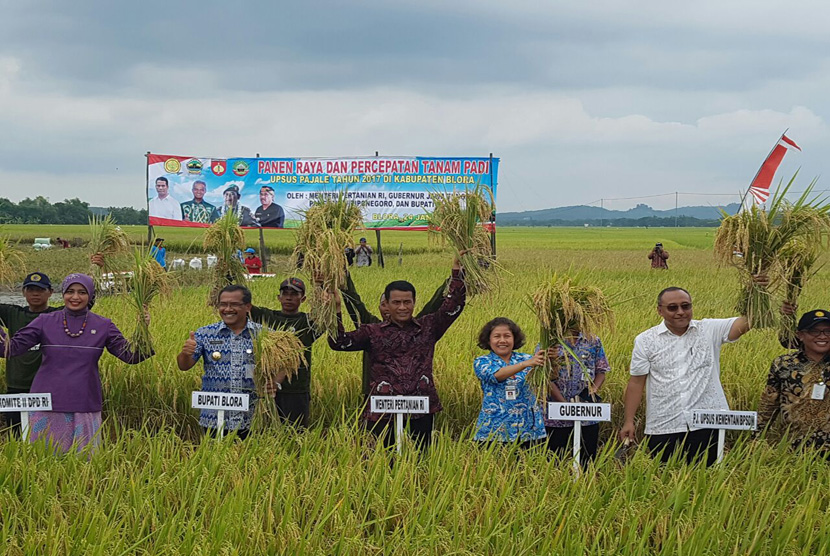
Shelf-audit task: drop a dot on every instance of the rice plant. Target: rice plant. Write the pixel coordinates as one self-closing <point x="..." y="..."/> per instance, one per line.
<point x="12" y="263"/>
<point x="107" y="240"/>
<point x="225" y="239"/>
<point x="278" y="355"/>
<point x="149" y="280"/>
<point x="753" y="240"/>
<point x="798" y="260"/>
<point x="566" y="308"/>
<point x="328" y="226"/>
<point x="458" y="219"/>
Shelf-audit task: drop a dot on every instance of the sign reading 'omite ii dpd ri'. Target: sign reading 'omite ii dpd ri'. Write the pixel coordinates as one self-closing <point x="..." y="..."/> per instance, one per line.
<point x="393" y="192"/>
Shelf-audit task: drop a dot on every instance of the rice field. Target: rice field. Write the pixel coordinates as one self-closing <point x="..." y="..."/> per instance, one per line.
<point x="156" y="487"/>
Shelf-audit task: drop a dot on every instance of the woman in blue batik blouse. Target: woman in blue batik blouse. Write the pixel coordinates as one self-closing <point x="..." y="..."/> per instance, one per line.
<point x="509" y="410"/>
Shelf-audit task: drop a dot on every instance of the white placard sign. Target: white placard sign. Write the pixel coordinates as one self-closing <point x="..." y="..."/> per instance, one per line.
<point x="400" y="404"/>
<point x="220" y="401"/>
<point x="719" y="419"/>
<point x="25" y="402"/>
<point x="579" y="411"/>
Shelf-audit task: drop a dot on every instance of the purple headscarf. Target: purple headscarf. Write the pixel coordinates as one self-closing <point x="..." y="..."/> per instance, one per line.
<point x="84" y="280"/>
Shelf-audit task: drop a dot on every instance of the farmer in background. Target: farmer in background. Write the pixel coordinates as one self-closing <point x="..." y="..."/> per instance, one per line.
<point x="252" y="263"/>
<point x="363" y="253"/>
<point x="269" y="214"/>
<point x="72" y="340"/>
<point x="658" y="257"/>
<point x="21" y="370"/>
<point x="797" y="385"/>
<point x="165" y="206"/>
<point x="197" y="209"/>
<point x="159" y="253"/>
<point x="293" y="398"/>
<point x="401" y="352"/>
<point x="360" y="315"/>
<point x="227" y="351"/>
<point x="679" y="362"/>
<point x="578" y="379"/>
<point x="509" y="409"/>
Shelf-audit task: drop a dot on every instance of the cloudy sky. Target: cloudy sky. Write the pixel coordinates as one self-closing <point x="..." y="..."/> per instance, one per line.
<point x="580" y="100"/>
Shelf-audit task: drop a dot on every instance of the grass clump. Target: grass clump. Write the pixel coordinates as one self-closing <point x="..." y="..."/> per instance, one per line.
<point x="565" y="308"/>
<point x="755" y="242"/>
<point x="226" y="240"/>
<point x="327" y="229"/>
<point x="458" y="219"/>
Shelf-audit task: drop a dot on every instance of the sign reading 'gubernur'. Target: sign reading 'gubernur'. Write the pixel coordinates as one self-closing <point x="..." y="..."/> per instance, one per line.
<point x="579" y="411"/>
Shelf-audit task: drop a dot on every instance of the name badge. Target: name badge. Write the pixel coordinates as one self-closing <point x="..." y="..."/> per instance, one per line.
<point x="818" y="391"/>
<point x="511" y="391"/>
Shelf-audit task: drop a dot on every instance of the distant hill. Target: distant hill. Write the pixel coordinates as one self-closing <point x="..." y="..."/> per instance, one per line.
<point x="583" y="214"/>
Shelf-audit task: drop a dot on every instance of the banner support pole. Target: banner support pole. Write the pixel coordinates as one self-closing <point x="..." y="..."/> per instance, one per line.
<point x="721" y="442"/>
<point x="150" y="230"/>
<point x="493" y="213"/>
<point x="24" y="425"/>
<point x="577" y="445"/>
<point x="380" y="248"/>
<point x="220" y="423"/>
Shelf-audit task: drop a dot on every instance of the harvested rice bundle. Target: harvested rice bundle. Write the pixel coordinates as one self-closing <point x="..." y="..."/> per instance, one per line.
<point x="457" y="218"/>
<point x="148" y="281"/>
<point x="566" y="308"/>
<point x="278" y="354"/>
<point x="226" y="240"/>
<point x="798" y="260"/>
<point x="11" y="262"/>
<point x="753" y="241"/>
<point x="107" y="240"/>
<point x="322" y="238"/>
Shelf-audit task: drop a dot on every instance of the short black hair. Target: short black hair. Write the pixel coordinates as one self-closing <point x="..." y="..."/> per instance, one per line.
<point x="484" y="335"/>
<point x="672" y="289"/>
<point x="162" y="178"/>
<point x="246" y="293"/>
<point x="398" y="286"/>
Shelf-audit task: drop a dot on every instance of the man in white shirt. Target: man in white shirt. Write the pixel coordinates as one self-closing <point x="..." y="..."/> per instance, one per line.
<point x="678" y="363"/>
<point x="165" y="206"/>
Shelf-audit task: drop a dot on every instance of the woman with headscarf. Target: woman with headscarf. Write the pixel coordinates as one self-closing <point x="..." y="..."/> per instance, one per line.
<point x="71" y="341"/>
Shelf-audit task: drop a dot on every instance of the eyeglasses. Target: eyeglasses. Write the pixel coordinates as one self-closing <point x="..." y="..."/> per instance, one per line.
<point x="673" y="307"/>
<point x="818" y="333"/>
<point x="231" y="305"/>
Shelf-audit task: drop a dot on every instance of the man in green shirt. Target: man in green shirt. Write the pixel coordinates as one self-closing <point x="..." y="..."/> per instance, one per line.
<point x="360" y="315"/>
<point x="21" y="370"/>
<point x="293" y="398"/>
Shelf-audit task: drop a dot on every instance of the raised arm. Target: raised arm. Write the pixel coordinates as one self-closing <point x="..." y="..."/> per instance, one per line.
<point x="354" y="304"/>
<point x="435" y="301"/>
<point x="453" y="303"/>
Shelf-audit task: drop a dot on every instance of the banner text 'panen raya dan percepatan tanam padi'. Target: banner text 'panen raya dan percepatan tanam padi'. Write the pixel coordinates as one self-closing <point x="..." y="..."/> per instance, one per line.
<point x="394" y="192"/>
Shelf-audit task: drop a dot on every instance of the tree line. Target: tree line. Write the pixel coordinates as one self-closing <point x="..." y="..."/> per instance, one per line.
<point x="69" y="211"/>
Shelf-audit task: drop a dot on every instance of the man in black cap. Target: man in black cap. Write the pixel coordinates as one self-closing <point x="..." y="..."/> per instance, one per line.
<point x="293" y="397"/>
<point x="659" y="257"/>
<point x="796" y="386"/>
<point x="269" y="214"/>
<point x="21" y="370"/>
<point x="232" y="196"/>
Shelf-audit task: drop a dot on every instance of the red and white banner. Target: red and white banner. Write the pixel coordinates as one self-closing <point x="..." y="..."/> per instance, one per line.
<point x="759" y="188"/>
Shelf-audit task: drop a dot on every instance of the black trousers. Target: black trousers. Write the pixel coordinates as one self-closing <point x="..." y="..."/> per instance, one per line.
<point x="294" y="408"/>
<point x="694" y="444"/>
<point x="560" y="441"/>
<point x="420" y="430"/>
<point x="13" y="417"/>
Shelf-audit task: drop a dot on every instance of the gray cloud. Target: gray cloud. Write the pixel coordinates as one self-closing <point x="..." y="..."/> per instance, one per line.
<point x="580" y="101"/>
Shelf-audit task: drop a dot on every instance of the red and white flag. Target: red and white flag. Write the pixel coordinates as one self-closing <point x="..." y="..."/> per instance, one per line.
<point x="759" y="188"/>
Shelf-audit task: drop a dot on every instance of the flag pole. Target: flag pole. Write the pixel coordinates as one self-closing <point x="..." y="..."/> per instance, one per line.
<point x="761" y="166"/>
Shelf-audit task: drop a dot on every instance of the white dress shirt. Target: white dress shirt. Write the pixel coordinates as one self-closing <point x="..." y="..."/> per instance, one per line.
<point x="683" y="372"/>
<point x="166" y="208"/>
